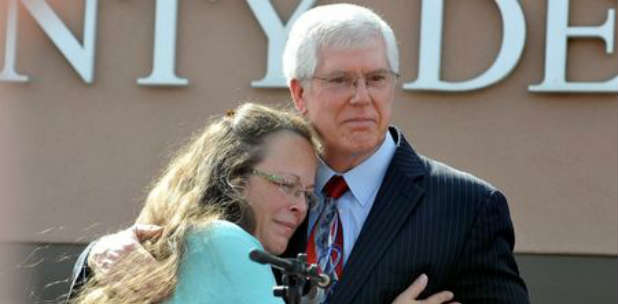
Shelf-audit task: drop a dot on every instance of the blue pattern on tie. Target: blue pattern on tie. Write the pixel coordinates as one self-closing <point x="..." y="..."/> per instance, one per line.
<point x="327" y="227"/>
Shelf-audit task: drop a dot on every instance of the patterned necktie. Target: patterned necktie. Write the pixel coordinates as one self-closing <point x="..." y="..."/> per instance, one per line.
<point x="325" y="245"/>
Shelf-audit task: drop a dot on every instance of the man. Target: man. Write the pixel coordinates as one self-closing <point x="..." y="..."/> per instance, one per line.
<point x="402" y="214"/>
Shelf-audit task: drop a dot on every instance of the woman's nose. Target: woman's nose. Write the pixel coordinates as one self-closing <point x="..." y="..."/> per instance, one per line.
<point x="300" y="204"/>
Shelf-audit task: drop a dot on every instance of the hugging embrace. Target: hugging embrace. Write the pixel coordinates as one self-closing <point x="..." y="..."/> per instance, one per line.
<point x="335" y="180"/>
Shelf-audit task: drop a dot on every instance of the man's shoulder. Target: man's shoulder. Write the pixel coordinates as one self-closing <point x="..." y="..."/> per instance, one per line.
<point x="434" y="171"/>
<point x="443" y="173"/>
<point x="450" y="186"/>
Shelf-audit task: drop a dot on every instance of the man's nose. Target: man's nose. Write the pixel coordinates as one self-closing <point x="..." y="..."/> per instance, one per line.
<point x="361" y="92"/>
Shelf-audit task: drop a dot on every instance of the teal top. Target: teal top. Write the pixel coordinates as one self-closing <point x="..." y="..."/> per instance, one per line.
<point x="216" y="268"/>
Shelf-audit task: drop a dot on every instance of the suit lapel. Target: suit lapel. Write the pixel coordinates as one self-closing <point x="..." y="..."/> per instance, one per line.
<point x="396" y="199"/>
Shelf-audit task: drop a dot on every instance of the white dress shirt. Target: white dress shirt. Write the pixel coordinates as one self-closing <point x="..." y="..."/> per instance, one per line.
<point x="364" y="181"/>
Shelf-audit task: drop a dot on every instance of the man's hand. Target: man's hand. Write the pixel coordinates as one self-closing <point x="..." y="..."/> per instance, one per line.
<point x="107" y="253"/>
<point x="409" y="295"/>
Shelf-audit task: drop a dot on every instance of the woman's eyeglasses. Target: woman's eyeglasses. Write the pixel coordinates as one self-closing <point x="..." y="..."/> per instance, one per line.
<point x="289" y="184"/>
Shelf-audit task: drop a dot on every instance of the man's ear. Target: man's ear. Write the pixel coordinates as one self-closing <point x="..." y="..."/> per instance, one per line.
<point x="298" y="96"/>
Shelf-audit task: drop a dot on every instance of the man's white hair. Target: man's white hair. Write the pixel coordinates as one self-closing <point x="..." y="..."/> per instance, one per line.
<point x="335" y="25"/>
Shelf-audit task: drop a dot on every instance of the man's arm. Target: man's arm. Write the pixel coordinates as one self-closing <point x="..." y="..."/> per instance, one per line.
<point x="487" y="272"/>
<point x="81" y="272"/>
<point x="103" y="255"/>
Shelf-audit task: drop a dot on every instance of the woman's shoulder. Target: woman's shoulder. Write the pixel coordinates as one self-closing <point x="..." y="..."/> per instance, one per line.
<point x="216" y="228"/>
<point x="218" y="231"/>
<point x="215" y="267"/>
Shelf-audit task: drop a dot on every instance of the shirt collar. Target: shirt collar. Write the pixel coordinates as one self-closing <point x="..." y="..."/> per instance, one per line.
<point x="366" y="177"/>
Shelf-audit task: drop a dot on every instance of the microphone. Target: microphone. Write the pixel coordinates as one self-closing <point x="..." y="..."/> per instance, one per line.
<point x="291" y="266"/>
<point x="267" y="258"/>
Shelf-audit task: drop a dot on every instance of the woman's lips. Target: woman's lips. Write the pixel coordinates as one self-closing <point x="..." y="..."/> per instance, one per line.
<point x="287" y="226"/>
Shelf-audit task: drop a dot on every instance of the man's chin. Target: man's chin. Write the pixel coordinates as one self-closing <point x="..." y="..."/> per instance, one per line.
<point x="361" y="143"/>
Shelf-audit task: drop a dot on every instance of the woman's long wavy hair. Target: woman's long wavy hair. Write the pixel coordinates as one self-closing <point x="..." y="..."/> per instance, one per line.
<point x="203" y="182"/>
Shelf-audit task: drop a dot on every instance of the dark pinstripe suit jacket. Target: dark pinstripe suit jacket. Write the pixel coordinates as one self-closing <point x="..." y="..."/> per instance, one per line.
<point x="430" y="218"/>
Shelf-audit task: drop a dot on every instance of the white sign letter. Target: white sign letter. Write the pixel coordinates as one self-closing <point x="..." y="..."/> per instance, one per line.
<point x="558" y="31"/>
<point x="80" y="57"/>
<point x="277" y="35"/>
<point x="513" y="40"/>
<point x="164" y="57"/>
<point x="10" y="49"/>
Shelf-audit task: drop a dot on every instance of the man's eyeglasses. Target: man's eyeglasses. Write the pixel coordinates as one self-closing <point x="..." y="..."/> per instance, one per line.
<point x="348" y="82"/>
<point x="289" y="184"/>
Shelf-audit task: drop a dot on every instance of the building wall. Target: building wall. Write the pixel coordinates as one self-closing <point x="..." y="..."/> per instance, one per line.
<point x="78" y="157"/>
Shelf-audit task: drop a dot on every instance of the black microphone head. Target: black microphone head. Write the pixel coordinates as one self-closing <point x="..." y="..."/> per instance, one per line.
<point x="257" y="255"/>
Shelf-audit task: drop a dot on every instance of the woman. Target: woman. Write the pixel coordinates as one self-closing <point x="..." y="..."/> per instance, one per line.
<point x="245" y="182"/>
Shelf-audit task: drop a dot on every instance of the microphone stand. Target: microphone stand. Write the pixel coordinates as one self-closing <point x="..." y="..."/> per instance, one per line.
<point x="295" y="273"/>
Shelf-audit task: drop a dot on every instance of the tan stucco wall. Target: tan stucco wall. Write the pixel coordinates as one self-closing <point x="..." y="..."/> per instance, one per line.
<point x="77" y="158"/>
